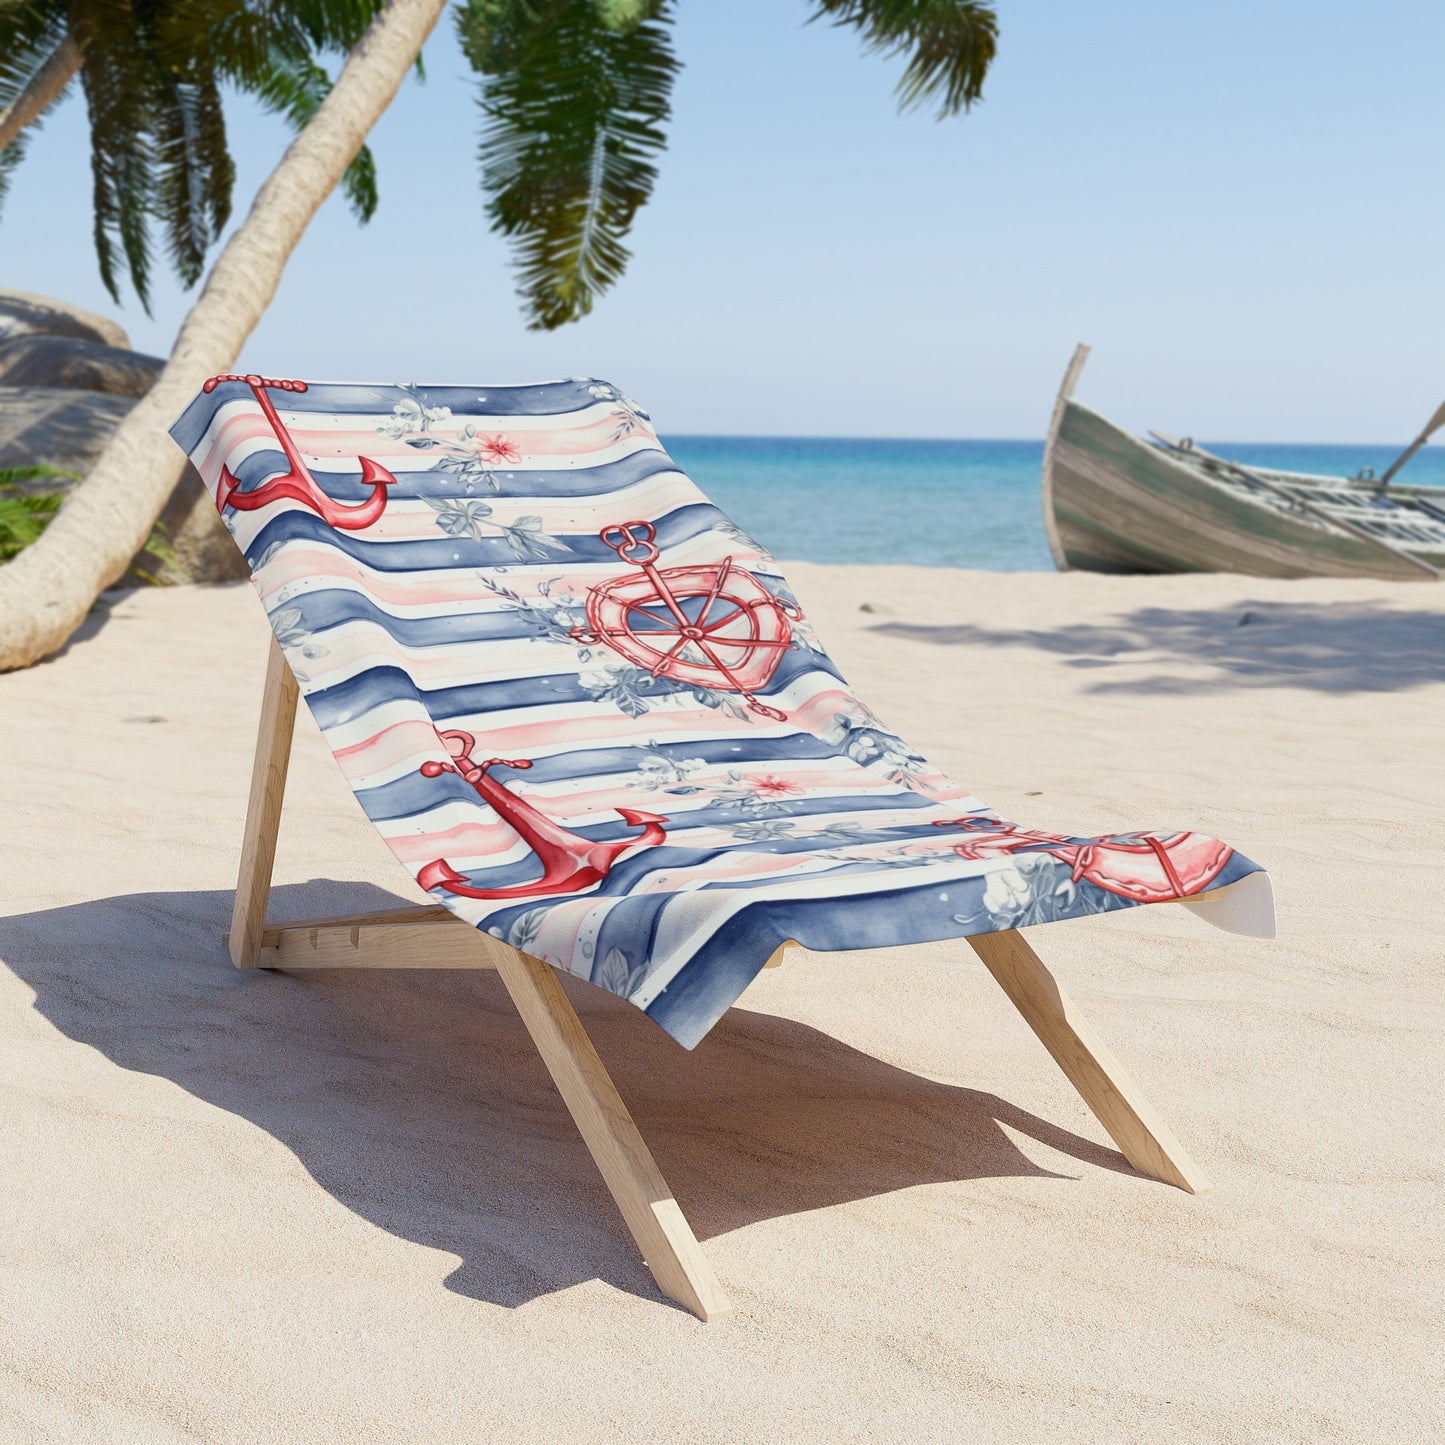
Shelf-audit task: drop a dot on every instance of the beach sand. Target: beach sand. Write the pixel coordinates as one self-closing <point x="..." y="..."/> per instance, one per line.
<point x="347" y="1207"/>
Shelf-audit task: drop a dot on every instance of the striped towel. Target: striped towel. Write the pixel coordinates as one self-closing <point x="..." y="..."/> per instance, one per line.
<point x="587" y="713"/>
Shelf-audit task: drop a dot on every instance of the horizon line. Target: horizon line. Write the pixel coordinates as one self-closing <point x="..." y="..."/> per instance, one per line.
<point x="997" y="441"/>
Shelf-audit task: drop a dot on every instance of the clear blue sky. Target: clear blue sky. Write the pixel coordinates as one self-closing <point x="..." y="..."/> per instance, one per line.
<point x="1239" y="204"/>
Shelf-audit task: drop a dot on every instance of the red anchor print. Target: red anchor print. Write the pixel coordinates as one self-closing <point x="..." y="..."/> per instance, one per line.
<point x="570" y="862"/>
<point x="298" y="485"/>
<point x="733" y="638"/>
<point x="1146" y="867"/>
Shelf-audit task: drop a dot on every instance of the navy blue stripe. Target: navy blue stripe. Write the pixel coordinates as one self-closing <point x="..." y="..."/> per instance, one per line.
<point x="555" y="398"/>
<point x="387" y="682"/>
<point x="405" y="796"/>
<point x="395" y="799"/>
<point x="465" y="553"/>
<point x="324" y="608"/>
<point x="344" y="483"/>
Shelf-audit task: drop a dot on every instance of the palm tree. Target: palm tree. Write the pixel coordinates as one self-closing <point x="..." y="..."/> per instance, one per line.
<point x="152" y="76"/>
<point x="575" y="93"/>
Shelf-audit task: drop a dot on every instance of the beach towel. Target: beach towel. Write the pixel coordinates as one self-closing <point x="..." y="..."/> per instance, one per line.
<point x="588" y="714"/>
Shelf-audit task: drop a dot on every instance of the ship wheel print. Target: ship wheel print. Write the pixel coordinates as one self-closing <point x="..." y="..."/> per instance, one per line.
<point x="713" y="625"/>
<point x="298" y="485"/>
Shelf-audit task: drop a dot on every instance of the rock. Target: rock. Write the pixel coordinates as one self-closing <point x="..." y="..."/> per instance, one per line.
<point x="56" y="425"/>
<point x="24" y="314"/>
<point x="67" y="361"/>
<point x="67" y="377"/>
<point x="69" y="429"/>
<point x="200" y="545"/>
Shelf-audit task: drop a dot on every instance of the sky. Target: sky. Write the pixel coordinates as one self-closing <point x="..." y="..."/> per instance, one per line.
<point x="1239" y="205"/>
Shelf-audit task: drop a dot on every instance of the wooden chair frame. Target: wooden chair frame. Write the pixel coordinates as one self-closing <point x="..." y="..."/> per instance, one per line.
<point x="428" y="936"/>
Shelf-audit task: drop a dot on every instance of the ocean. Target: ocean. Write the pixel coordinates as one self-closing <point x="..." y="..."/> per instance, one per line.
<point x="934" y="503"/>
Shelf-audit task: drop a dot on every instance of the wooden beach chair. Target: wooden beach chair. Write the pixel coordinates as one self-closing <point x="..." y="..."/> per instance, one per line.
<point x="528" y="562"/>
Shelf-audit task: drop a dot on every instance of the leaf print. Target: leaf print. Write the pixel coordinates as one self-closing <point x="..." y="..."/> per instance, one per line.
<point x="548" y="620"/>
<point x="293" y="635"/>
<point x="460" y="518"/>
<point x="412" y="414"/>
<point x="528" y="541"/>
<point x="658" y="766"/>
<point x="266" y="557"/>
<point x="860" y="736"/>
<point x="843" y="830"/>
<point x="624" y="687"/>
<point x="903" y="857"/>
<point x="614" y="973"/>
<point x="746" y="541"/>
<point x="523" y="930"/>
<point x="286" y="624"/>
<point x="627" y="416"/>
<point x="466" y="467"/>
<point x="1033" y="888"/>
<point x="724" y="702"/>
<point x="764" y="830"/>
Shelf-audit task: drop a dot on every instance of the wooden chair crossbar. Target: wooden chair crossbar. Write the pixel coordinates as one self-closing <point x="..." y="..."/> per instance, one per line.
<point x="429" y="936"/>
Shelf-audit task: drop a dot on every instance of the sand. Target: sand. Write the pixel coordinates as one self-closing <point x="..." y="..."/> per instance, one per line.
<point x="260" y="1208"/>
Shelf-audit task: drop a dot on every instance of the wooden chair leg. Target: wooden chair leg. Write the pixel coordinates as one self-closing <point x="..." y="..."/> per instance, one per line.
<point x="662" y="1233"/>
<point x="1142" y="1136"/>
<point x="263" y="811"/>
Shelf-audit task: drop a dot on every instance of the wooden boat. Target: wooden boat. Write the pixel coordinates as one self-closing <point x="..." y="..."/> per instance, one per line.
<point x="1116" y="503"/>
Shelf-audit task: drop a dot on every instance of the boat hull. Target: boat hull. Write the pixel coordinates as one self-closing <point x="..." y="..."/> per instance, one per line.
<point x="1117" y="504"/>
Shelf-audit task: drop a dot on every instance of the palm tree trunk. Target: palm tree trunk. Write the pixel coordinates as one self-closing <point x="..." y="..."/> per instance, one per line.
<point x="45" y="85"/>
<point x="47" y="590"/>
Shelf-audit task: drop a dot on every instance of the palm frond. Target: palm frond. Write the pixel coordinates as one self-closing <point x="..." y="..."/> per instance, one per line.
<point x="23" y="517"/>
<point x="336" y="25"/>
<point x="950" y="45"/>
<point x="116" y="74"/>
<point x="29" y="35"/>
<point x="194" y="170"/>
<point x="11" y="157"/>
<point x="575" y="94"/>
<point x="269" y="50"/>
<point x="293" y="84"/>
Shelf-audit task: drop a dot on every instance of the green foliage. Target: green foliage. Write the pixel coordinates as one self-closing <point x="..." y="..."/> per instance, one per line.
<point x="575" y="95"/>
<point x="152" y="73"/>
<point x="28" y="37"/>
<point x="24" y="515"/>
<point x="270" y="52"/>
<point x="949" y="43"/>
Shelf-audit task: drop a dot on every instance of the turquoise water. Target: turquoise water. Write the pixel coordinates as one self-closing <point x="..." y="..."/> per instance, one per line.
<point x="933" y="503"/>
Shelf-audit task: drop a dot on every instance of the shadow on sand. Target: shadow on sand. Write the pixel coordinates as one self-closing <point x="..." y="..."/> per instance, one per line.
<point x="416" y="1099"/>
<point x="1322" y="647"/>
